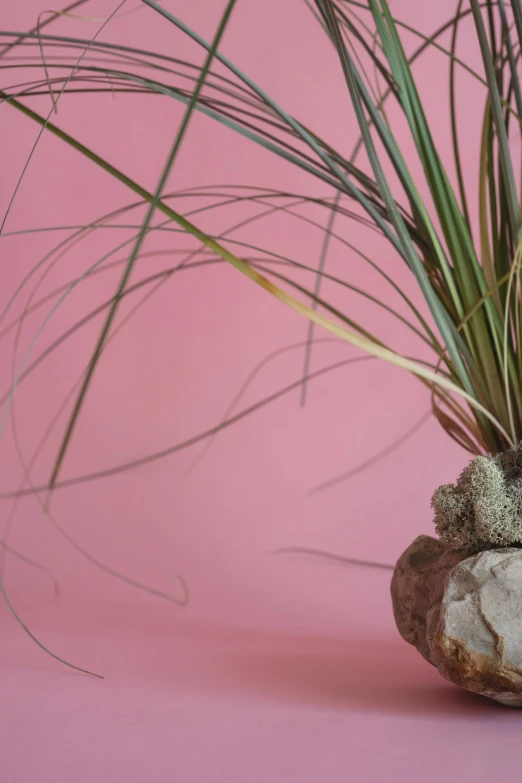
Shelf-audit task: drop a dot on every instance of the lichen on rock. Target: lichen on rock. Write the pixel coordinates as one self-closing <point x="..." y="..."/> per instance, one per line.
<point x="483" y="509"/>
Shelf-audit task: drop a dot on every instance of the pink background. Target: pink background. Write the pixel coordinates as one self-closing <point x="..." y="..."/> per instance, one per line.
<point x="280" y="668"/>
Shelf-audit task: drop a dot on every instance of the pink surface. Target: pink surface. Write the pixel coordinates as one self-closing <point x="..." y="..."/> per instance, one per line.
<point x="280" y="669"/>
<point x="187" y="702"/>
<point x="199" y="704"/>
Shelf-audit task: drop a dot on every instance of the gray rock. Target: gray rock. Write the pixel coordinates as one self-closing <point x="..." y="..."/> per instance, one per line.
<point x="464" y="615"/>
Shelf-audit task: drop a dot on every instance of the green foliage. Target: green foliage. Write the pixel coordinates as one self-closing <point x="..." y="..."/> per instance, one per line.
<point x="469" y="278"/>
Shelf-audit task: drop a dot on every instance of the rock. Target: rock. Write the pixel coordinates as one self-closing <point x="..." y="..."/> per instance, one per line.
<point x="478" y="638"/>
<point x="464" y="615"/>
<point x="417" y="585"/>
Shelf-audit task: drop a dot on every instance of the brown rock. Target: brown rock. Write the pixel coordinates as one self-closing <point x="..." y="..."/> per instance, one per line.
<point x="417" y="584"/>
<point x="464" y="615"/>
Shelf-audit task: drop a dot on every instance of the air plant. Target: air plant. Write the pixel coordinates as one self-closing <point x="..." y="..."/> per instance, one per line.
<point x="463" y="252"/>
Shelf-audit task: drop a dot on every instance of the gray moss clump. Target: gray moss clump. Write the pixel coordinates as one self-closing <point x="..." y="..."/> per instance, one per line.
<point x="483" y="510"/>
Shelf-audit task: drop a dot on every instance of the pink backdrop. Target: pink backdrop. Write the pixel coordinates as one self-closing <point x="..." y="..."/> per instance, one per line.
<point x="172" y="373"/>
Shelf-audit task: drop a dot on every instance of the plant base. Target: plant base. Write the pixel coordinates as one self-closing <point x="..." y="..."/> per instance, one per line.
<point x="463" y="614"/>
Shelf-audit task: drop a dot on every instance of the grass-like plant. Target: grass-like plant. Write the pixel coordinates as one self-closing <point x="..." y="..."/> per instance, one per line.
<point x="463" y="249"/>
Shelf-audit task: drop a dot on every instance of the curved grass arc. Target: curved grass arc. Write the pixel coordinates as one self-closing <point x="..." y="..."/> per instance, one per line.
<point x="7" y="600"/>
<point x="122" y="284"/>
<point x="275" y="258"/>
<point x="230" y="409"/>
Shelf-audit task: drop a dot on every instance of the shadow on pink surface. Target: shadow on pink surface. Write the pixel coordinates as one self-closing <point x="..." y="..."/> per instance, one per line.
<point x="366" y="673"/>
<point x="363" y="672"/>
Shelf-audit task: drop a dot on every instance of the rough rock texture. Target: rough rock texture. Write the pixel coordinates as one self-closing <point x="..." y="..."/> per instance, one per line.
<point x="418" y="584"/>
<point x="464" y="615"/>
